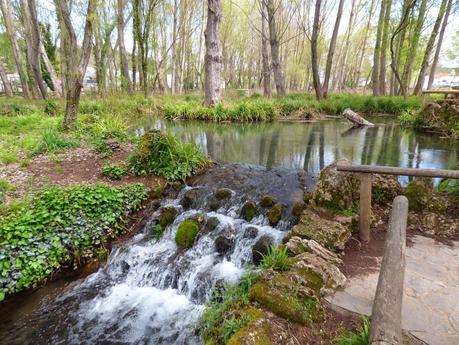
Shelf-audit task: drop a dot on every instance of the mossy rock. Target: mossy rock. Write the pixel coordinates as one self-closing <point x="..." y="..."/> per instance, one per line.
<point x="275" y="214"/>
<point x="267" y="201"/>
<point x="248" y="210"/>
<point x="298" y="208"/>
<point x="282" y="303"/>
<point x="384" y="188"/>
<point x="422" y="197"/>
<point x="168" y="215"/>
<point x="256" y="332"/>
<point x="223" y="193"/>
<point x="186" y="233"/>
<point x="214" y="203"/>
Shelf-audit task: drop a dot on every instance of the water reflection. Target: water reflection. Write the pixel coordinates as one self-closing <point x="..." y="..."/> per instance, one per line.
<point x="311" y="146"/>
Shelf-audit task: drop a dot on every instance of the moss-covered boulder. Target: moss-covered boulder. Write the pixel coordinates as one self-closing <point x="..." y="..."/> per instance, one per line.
<point x="192" y="197"/>
<point x="297" y="208"/>
<point x="248" y="210"/>
<point x="275" y="214"/>
<point x="328" y="233"/>
<point x="214" y="203"/>
<point x="441" y="116"/>
<point x="256" y="332"/>
<point x="168" y="215"/>
<point x="384" y="189"/>
<point x="186" y="233"/>
<point x="261" y="248"/>
<point x="422" y="197"/>
<point x="266" y="201"/>
<point x="222" y="193"/>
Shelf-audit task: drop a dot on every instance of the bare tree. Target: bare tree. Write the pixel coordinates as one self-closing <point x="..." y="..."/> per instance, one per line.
<point x="377" y="52"/>
<point x="264" y="51"/>
<point x="314" y="53"/>
<point x="124" y="65"/>
<point x="12" y="33"/>
<point x="6" y="84"/>
<point x="75" y="63"/>
<point x="275" y="57"/>
<point x="213" y="58"/>
<point x="384" y="46"/>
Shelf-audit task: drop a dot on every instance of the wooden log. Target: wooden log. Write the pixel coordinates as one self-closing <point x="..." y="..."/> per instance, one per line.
<point x="365" y="208"/>
<point x="386" y="317"/>
<point x="375" y="169"/>
<point x="356" y="119"/>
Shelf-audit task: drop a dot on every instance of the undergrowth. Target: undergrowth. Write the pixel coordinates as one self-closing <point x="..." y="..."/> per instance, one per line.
<point x="360" y="337"/>
<point x="59" y="226"/>
<point x="276" y="258"/>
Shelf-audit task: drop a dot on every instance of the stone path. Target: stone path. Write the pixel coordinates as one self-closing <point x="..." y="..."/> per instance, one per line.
<point x="431" y="296"/>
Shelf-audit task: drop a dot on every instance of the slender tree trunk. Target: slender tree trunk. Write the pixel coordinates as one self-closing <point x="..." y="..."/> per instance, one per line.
<point x="52" y="73"/>
<point x="76" y="64"/>
<point x="439" y="44"/>
<point x="213" y="58"/>
<point x="11" y="30"/>
<point x="331" y="49"/>
<point x="429" y="48"/>
<point x="275" y="58"/>
<point x="343" y="63"/>
<point x="6" y="84"/>
<point x="365" y="40"/>
<point x="174" y="48"/>
<point x="134" y="64"/>
<point x="264" y="51"/>
<point x="384" y="46"/>
<point x="314" y="53"/>
<point x="377" y="52"/>
<point x="126" y="83"/>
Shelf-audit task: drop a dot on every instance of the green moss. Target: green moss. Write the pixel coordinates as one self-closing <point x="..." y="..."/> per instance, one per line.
<point x="267" y="201"/>
<point x="275" y="214"/>
<point x="186" y="233"/>
<point x="417" y="194"/>
<point x="248" y="211"/>
<point x="282" y="303"/>
<point x="254" y="334"/>
<point x="167" y="216"/>
<point x="298" y="208"/>
<point x="223" y="193"/>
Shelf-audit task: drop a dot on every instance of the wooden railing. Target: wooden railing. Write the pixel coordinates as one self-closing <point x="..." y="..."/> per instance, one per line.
<point x="365" y="187"/>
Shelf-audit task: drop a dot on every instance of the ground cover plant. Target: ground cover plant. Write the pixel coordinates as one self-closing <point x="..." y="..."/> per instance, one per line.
<point x="59" y="226"/>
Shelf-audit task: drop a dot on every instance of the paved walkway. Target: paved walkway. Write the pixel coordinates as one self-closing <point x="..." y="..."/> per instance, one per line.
<point x="431" y="297"/>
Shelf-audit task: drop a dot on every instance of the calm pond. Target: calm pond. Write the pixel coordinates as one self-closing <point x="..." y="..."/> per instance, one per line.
<point x="312" y="146"/>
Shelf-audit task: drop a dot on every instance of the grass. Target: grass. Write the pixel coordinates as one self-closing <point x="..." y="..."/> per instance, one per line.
<point x="360" y="337"/>
<point x="276" y="258"/>
<point x="52" y="141"/>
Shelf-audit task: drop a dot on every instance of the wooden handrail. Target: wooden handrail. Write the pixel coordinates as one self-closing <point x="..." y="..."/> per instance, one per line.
<point x="384" y="170"/>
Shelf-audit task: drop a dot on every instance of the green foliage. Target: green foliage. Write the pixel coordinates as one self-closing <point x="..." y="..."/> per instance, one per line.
<point x="410" y="118"/>
<point x="114" y="172"/>
<point x="60" y="225"/>
<point x="360" y="337"/>
<point x="276" y="258"/>
<point x="164" y="155"/>
<point x="5" y="186"/>
<point x="52" y="141"/>
<point x="51" y="108"/>
<point x="186" y="233"/>
<point x="449" y="186"/>
<point x="110" y="127"/>
<point x="158" y="230"/>
<point x="222" y="317"/>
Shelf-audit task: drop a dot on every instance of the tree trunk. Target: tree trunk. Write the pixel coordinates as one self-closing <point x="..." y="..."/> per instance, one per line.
<point x="75" y="64"/>
<point x="274" y="41"/>
<point x="377" y="52"/>
<point x="384" y="45"/>
<point x="11" y="30"/>
<point x="331" y="49"/>
<point x="439" y="44"/>
<point x="314" y="54"/>
<point x="213" y="58"/>
<point x="356" y="119"/>
<point x="52" y="73"/>
<point x="126" y="83"/>
<point x="174" y="48"/>
<point x="425" y="62"/>
<point x="6" y="84"/>
<point x="364" y="46"/>
<point x="343" y="63"/>
<point x="264" y="51"/>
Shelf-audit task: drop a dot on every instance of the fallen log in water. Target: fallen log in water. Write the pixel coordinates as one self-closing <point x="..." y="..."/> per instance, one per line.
<point x="356" y="119"/>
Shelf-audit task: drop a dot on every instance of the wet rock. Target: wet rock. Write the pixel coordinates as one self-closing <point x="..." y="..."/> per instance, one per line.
<point x="328" y="233"/>
<point x="251" y="232"/>
<point x="168" y="215"/>
<point x="191" y="198"/>
<point x="214" y="204"/>
<point x="186" y="233"/>
<point x="212" y="223"/>
<point x="248" y="210"/>
<point x="275" y="214"/>
<point x="125" y="267"/>
<point x="267" y="201"/>
<point x="223" y="193"/>
<point x="298" y="208"/>
<point x="223" y="244"/>
<point x="260" y="248"/>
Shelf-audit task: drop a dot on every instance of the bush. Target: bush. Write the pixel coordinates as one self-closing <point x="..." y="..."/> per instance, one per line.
<point x="164" y="155"/>
<point x="410" y="118"/>
<point x="50" y="108"/>
<point x="52" y="141"/>
<point x="276" y="258"/>
<point x="60" y="225"/>
<point x="186" y="233"/>
<point x="114" y="172"/>
<point x="110" y="127"/>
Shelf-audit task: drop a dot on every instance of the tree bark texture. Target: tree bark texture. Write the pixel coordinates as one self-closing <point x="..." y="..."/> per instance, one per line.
<point x="384" y="45"/>
<point x="275" y="55"/>
<point x="6" y="84"/>
<point x="377" y="52"/>
<point x="314" y="53"/>
<point x="126" y="83"/>
<point x="264" y="51"/>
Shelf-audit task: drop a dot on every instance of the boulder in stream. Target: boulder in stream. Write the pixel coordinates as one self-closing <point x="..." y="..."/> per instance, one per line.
<point x="222" y="193"/>
<point x="186" y="233"/>
<point x="266" y="201"/>
<point x="261" y="248"/>
<point x="275" y="214"/>
<point x="248" y="210"/>
<point x="223" y="244"/>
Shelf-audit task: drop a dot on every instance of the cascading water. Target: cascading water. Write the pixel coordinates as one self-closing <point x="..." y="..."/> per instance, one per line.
<point x="151" y="291"/>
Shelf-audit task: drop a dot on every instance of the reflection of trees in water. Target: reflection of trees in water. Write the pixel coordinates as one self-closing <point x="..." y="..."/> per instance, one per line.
<point x="369" y="145"/>
<point x="270" y="162"/>
<point x="309" y="147"/>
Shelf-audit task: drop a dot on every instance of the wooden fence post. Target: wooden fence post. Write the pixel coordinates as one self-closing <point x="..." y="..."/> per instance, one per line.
<point x="386" y="317"/>
<point x="365" y="207"/>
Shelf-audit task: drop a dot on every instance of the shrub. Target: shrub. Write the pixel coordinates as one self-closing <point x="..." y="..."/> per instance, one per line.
<point x="52" y="141"/>
<point x="276" y="258"/>
<point x="59" y="225"/>
<point x="110" y="127"/>
<point x="114" y="172"/>
<point x="50" y="108"/>
<point x="163" y="154"/>
<point x="186" y="233"/>
<point x="410" y="118"/>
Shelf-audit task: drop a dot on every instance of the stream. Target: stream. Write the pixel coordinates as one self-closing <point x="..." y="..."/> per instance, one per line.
<point x="151" y="291"/>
